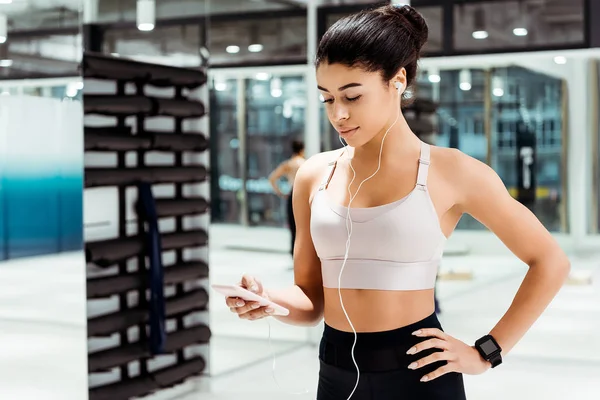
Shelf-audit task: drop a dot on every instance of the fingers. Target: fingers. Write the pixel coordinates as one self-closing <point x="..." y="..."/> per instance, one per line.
<point x="252" y="284"/>
<point x="259" y="313"/>
<point x="430" y="359"/>
<point x="438" y="372"/>
<point x="429" y="344"/>
<point x="240" y="306"/>
<point x="234" y="302"/>
<point x="431" y="332"/>
<point x="248" y="309"/>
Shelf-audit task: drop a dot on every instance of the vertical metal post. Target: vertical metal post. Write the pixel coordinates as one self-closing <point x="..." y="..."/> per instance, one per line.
<point x="487" y="116"/>
<point x="242" y="150"/>
<point x="312" y="134"/>
<point x="578" y="163"/>
<point x="595" y="129"/>
<point x="564" y="227"/>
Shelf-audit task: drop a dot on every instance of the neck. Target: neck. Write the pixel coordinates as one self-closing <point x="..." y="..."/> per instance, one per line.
<point x="400" y="140"/>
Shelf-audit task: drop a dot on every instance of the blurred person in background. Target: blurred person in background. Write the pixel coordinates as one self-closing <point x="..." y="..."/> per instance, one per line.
<point x="288" y="169"/>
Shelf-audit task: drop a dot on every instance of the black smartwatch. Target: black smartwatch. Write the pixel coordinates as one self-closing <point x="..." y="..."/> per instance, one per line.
<point x="490" y="350"/>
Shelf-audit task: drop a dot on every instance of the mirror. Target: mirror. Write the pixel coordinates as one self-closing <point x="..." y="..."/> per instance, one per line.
<point x="42" y="275"/>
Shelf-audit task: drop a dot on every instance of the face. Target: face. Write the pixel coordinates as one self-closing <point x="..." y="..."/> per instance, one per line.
<point x="359" y="104"/>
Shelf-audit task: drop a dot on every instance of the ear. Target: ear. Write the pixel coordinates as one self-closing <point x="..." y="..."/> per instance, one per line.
<point x="400" y="78"/>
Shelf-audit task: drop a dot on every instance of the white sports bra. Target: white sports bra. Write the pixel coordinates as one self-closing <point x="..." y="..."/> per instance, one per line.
<point x="396" y="246"/>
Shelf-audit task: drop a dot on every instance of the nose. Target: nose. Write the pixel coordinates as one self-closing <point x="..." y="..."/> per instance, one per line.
<point x="339" y="112"/>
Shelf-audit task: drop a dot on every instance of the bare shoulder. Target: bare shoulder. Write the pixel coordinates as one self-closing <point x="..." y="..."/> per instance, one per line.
<point x="311" y="172"/>
<point x="467" y="175"/>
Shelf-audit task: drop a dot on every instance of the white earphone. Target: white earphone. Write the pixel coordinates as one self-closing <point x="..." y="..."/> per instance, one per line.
<point x="398" y="86"/>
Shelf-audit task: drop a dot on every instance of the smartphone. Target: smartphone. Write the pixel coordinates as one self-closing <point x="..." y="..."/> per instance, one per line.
<point x="244" y="294"/>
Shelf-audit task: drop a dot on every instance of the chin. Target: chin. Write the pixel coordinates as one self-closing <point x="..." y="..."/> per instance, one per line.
<point x="357" y="140"/>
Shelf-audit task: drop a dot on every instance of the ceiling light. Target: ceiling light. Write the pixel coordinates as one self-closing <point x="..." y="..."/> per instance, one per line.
<point x="465" y="79"/>
<point x="560" y="60"/>
<point x="498" y="86"/>
<point x="6" y="63"/>
<point x="434" y="75"/>
<point x="233" y="49"/>
<point x="146" y="11"/>
<point x="276" y="87"/>
<point x="520" y="32"/>
<point x="5" y="1"/>
<point x="262" y="76"/>
<point x="479" y="31"/>
<point x="480" y="35"/>
<point x="255" y="48"/>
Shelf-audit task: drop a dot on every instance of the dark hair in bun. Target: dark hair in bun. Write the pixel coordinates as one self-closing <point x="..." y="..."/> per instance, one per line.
<point x="383" y="39"/>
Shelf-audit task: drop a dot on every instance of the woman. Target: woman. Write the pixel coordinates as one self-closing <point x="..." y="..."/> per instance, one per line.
<point x="411" y="198"/>
<point x="289" y="168"/>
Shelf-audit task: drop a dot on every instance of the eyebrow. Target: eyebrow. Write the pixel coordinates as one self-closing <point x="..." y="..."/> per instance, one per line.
<point x="349" y="85"/>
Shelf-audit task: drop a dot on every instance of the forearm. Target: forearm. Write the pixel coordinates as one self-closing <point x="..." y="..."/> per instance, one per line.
<point x="275" y="187"/>
<point x="306" y="309"/>
<point x="542" y="282"/>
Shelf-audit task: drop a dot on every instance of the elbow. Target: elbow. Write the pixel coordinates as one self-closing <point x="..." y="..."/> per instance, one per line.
<point x="315" y="320"/>
<point x="563" y="265"/>
<point x="555" y="264"/>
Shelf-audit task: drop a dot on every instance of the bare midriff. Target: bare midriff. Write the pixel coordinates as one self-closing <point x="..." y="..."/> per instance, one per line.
<point x="376" y="310"/>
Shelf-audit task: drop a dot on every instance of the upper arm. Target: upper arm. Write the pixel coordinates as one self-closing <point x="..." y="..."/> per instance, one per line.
<point x="484" y="197"/>
<point x="307" y="266"/>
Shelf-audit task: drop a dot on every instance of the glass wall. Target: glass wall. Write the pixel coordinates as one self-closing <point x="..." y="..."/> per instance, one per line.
<point x="273" y="112"/>
<point x="224" y="136"/>
<point x="527" y="143"/>
<point x="511" y="119"/>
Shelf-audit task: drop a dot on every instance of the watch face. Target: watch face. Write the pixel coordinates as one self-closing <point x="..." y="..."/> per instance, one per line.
<point x="488" y="347"/>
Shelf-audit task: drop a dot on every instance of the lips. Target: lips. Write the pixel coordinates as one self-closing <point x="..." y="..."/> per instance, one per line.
<point x="346" y="131"/>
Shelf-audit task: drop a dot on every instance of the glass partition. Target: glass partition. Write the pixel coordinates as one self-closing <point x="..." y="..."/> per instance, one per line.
<point x="527" y="143"/>
<point x="510" y="118"/>
<point x="273" y="112"/>
<point x="42" y="259"/>
<point x="225" y="137"/>
<point x="276" y="109"/>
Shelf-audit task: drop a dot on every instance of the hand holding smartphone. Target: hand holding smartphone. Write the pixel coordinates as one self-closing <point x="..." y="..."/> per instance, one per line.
<point x="249" y="304"/>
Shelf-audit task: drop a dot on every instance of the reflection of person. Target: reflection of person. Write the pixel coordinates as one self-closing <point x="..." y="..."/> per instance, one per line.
<point x="289" y="168"/>
<point x="366" y="260"/>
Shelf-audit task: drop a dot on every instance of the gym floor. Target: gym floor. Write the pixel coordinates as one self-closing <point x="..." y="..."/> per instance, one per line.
<point x="43" y="333"/>
<point x="559" y="358"/>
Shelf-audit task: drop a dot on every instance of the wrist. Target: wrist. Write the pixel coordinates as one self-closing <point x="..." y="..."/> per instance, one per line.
<point x="484" y="363"/>
<point x="489" y="350"/>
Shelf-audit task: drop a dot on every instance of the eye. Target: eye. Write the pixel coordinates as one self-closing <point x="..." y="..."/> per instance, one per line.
<point x="353" y="98"/>
<point x="323" y="100"/>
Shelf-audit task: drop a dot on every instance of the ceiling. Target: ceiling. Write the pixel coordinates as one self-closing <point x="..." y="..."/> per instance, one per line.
<point x="548" y="22"/>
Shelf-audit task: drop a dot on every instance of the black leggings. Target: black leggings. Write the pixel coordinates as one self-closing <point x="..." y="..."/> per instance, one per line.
<point x="291" y="221"/>
<point x="383" y="362"/>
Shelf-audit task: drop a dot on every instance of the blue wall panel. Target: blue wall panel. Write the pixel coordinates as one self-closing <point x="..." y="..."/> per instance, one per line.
<point x="41" y="170"/>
